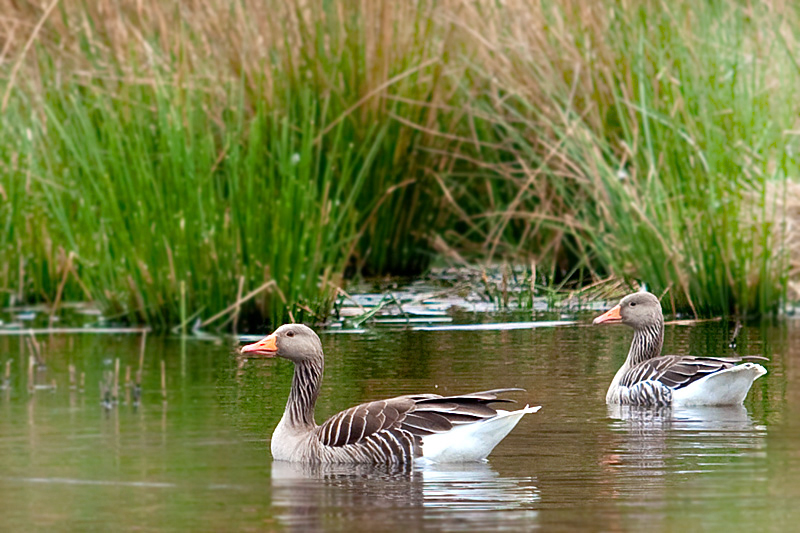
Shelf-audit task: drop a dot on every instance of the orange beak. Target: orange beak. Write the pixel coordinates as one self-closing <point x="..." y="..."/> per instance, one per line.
<point x="265" y="347"/>
<point x="612" y="315"/>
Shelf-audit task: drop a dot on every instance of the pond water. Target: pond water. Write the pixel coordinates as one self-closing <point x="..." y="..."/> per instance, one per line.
<point x="194" y="455"/>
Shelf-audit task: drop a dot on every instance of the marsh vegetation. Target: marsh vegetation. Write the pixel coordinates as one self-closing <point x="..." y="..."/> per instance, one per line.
<point x="169" y="160"/>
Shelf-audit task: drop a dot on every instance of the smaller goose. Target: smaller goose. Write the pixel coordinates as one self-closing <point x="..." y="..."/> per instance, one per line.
<point x="394" y="431"/>
<point x="649" y="378"/>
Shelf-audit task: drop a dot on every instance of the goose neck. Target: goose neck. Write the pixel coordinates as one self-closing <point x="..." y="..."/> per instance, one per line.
<point x="303" y="396"/>
<point x="647" y="342"/>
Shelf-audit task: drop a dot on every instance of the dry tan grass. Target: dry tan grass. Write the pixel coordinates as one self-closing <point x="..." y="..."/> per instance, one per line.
<point x="208" y="44"/>
<point x="526" y="48"/>
<point x="782" y="206"/>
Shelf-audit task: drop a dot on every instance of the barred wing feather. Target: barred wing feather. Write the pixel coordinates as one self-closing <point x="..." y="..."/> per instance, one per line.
<point x="676" y="371"/>
<point x="418" y="415"/>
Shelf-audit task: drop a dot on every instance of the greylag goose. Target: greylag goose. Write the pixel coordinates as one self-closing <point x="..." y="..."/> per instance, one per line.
<point x="398" y="430"/>
<point x="649" y="378"/>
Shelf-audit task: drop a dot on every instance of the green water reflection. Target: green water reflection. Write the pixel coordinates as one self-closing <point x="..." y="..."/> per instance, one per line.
<point x="195" y="456"/>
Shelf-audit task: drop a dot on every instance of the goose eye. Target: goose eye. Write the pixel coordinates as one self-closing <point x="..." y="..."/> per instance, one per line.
<point x="633" y="303"/>
<point x="290" y="334"/>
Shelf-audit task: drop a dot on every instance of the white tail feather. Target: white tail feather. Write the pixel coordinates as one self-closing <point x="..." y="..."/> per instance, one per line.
<point x="726" y="387"/>
<point x="472" y="442"/>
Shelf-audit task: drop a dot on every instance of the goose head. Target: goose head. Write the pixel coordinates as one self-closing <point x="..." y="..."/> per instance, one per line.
<point x="639" y="310"/>
<point x="295" y="342"/>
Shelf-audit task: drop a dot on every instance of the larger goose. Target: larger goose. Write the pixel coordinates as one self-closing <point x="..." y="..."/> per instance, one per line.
<point x="397" y="430"/>
<point x="649" y="378"/>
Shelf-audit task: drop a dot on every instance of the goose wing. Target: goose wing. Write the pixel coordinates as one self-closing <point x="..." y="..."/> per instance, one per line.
<point x="436" y="414"/>
<point x="677" y="371"/>
<point x="417" y="415"/>
<point x="354" y="425"/>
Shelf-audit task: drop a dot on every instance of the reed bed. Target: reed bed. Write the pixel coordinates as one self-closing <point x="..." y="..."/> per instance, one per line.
<point x="652" y="142"/>
<point x="221" y="160"/>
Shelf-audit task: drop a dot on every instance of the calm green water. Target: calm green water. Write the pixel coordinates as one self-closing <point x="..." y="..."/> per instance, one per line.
<point x="198" y="460"/>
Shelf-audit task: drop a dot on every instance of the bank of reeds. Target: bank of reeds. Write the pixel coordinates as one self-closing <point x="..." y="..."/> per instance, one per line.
<point x="231" y="149"/>
<point x="256" y="152"/>
<point x="656" y="139"/>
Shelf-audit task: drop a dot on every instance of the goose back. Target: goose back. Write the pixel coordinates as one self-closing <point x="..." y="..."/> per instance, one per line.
<point x="392" y="431"/>
<point x="677" y="371"/>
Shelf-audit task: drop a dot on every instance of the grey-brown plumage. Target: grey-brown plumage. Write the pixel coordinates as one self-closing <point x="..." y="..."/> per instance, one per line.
<point x="385" y="431"/>
<point x="648" y="378"/>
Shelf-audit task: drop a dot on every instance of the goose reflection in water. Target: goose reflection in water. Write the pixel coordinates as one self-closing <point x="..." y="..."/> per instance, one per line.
<point x="654" y="442"/>
<point x="382" y="497"/>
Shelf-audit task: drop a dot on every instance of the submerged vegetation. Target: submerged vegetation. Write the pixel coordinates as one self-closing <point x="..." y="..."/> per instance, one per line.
<point x="220" y="159"/>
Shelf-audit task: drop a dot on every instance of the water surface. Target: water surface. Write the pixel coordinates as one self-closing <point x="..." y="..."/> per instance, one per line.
<point x="194" y="456"/>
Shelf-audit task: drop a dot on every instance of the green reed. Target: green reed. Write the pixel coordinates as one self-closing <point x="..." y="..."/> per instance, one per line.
<point x="255" y="191"/>
<point x="658" y="156"/>
<point x="257" y="153"/>
<point x="148" y="194"/>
